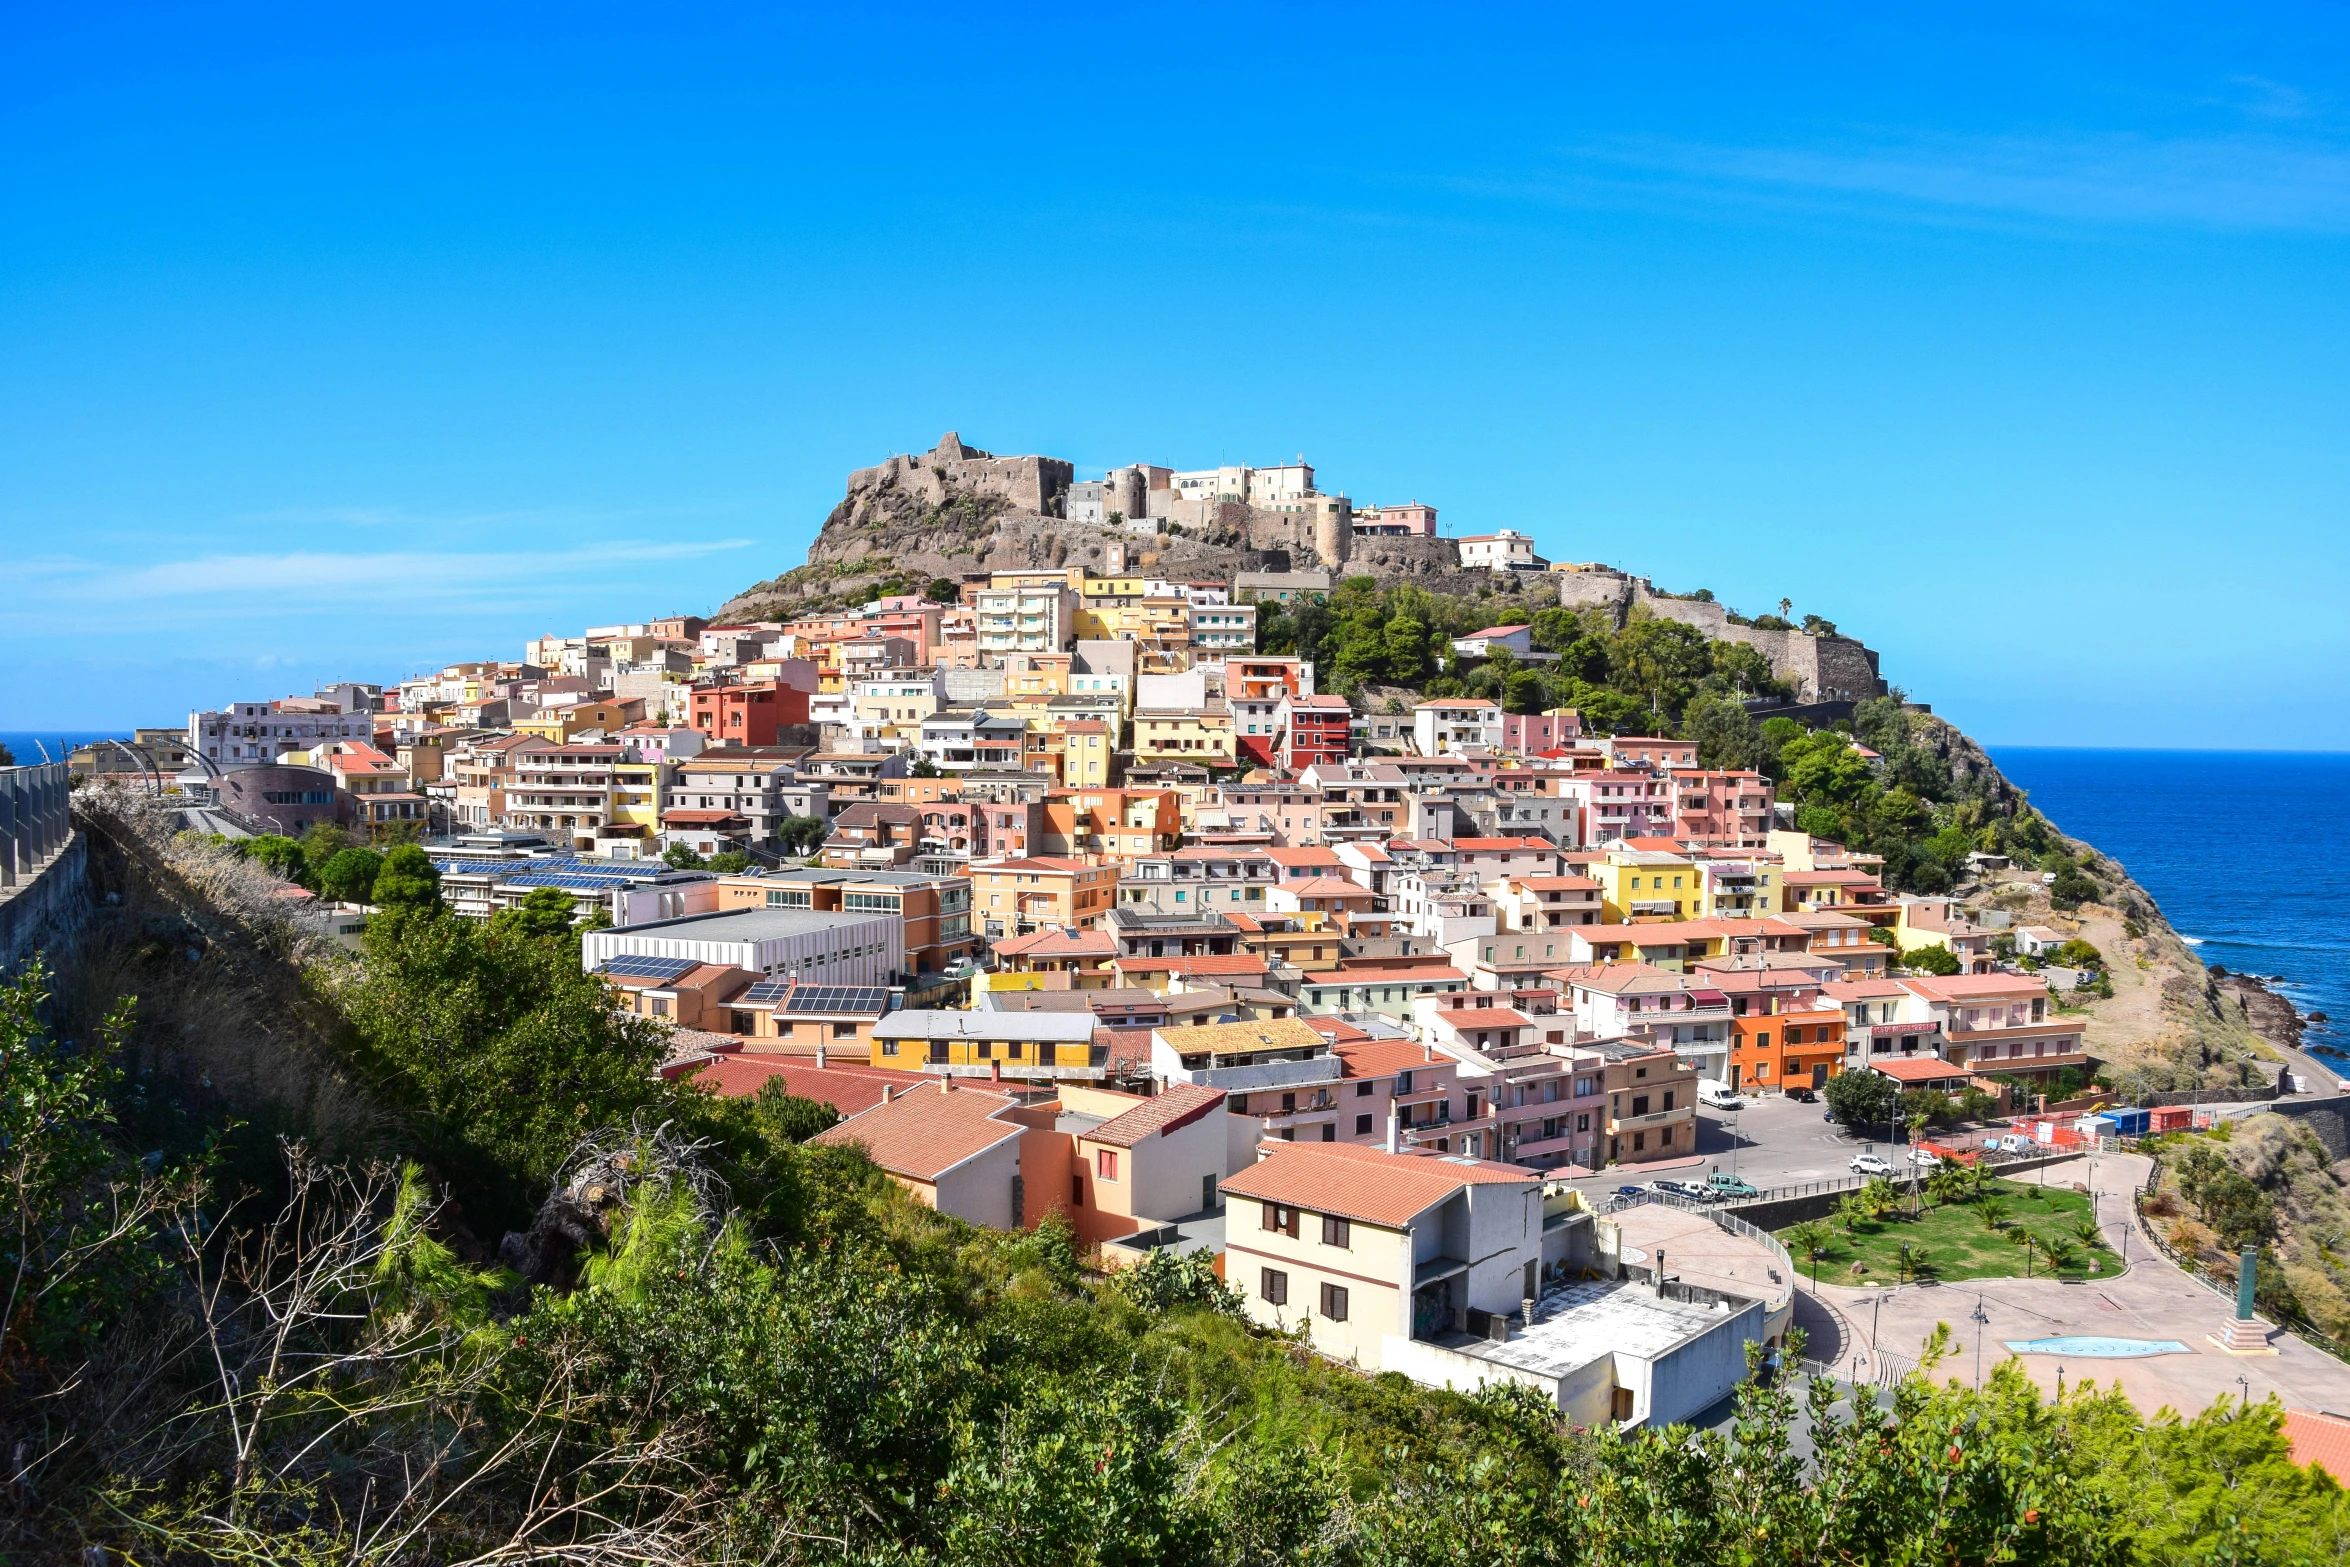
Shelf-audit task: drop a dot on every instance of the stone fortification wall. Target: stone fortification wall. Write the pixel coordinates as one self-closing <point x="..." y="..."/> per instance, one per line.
<point x="1822" y="667"/>
<point x="1029" y="484"/>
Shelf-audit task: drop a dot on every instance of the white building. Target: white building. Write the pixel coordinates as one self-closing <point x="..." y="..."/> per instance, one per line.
<point x="248" y="733"/>
<point x="821" y="948"/>
<point x="1456" y="724"/>
<point x="1504" y="551"/>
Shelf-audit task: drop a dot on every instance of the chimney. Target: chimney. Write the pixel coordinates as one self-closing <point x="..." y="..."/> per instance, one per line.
<point x="946" y="1083"/>
<point x="819" y="1055"/>
<point x="995" y="1071"/>
<point x="1393" y="1132"/>
<point x="1660" y="1273"/>
<point x="889" y="1091"/>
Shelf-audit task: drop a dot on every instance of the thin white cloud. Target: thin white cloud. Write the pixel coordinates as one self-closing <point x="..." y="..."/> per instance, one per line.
<point x="320" y="577"/>
<point x="2237" y="181"/>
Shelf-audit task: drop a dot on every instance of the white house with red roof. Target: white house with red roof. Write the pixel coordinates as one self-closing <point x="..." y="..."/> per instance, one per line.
<point x="1456" y="724"/>
<point x="1518" y="640"/>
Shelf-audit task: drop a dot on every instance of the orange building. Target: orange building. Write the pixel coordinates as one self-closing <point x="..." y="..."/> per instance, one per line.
<point x="1020" y="897"/>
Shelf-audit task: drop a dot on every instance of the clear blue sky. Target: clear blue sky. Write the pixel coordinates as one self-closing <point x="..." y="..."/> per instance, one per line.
<point x="346" y="341"/>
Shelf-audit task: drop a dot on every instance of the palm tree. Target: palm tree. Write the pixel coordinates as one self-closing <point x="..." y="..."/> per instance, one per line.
<point x="2088" y="1234"/>
<point x="1993" y="1213"/>
<point x="1852" y="1210"/>
<point x="1807" y="1240"/>
<point x="1786" y="606"/>
<point x="1880" y="1196"/>
<point x="2063" y="1255"/>
<point x="1978" y="1180"/>
<point x="1946" y="1184"/>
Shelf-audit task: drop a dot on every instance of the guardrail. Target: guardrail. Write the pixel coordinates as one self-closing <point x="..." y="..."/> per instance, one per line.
<point x="36" y="819"/>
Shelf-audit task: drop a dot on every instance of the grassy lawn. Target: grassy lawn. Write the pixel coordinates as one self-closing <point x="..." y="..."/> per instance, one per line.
<point x="1951" y="1241"/>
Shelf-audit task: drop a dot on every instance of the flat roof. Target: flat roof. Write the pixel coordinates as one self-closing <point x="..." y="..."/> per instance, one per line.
<point x="1576" y="1325"/>
<point x="1036" y="1027"/>
<point x="734" y="925"/>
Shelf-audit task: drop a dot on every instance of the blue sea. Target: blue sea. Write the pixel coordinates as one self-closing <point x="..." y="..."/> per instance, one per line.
<point x="2240" y="848"/>
<point x="26" y="745"/>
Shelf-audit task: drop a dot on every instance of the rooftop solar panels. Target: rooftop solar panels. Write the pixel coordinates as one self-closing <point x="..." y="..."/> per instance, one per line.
<point x="574" y="881"/>
<point x="767" y="990"/>
<point x="656" y="969"/>
<point x="837" y="998"/>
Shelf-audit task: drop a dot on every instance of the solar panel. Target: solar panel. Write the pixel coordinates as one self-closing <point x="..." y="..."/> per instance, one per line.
<point x="768" y="990"/>
<point x="837" y="998"/>
<point x="635" y="966"/>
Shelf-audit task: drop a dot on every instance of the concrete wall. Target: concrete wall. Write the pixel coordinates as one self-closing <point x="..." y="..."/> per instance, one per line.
<point x="1693" y="1375"/>
<point x="980" y="1188"/>
<point x="44" y="863"/>
<point x="45" y="911"/>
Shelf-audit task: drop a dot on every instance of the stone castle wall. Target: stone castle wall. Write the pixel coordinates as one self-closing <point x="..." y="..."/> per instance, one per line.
<point x="1822" y="667"/>
<point x="1034" y="485"/>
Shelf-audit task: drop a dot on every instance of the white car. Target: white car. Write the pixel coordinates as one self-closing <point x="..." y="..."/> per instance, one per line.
<point x="1871" y="1164"/>
<point x="1924" y="1158"/>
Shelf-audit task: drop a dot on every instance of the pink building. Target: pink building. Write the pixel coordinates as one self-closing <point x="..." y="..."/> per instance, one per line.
<point x="1526" y="734"/>
<point x="1726" y="809"/>
<point x="1406" y="521"/>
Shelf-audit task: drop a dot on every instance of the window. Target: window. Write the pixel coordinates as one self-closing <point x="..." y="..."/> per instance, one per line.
<point x="1279" y="1216"/>
<point x="1666" y="1138"/>
<point x="1076" y="1190"/>
<point x="1363" y="1089"/>
<point x="1334" y="1302"/>
<point x="1336" y="1231"/>
<point x="889" y="1047"/>
<point x="1105" y="1163"/>
<point x="1273" y="1286"/>
<point x="1762" y="1041"/>
<point x="1362" y="1126"/>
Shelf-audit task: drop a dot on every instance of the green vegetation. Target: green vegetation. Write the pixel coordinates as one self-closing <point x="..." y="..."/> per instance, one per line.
<point x="1957" y="1234"/>
<point x="1863" y="1100"/>
<point x="762" y="1350"/>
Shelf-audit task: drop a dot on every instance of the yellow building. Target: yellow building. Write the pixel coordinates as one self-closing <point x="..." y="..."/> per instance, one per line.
<point x="1166" y="735"/>
<point x="982" y="1044"/>
<point x="1079" y="752"/>
<point x="1159" y="625"/>
<point x="1648" y="885"/>
<point x="560" y="724"/>
<point x="637" y="799"/>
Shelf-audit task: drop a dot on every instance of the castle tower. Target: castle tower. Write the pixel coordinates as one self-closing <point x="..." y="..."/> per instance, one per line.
<point x="1334" y="528"/>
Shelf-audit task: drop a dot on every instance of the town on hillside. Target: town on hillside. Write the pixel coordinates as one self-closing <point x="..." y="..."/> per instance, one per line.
<point x="1071" y="898"/>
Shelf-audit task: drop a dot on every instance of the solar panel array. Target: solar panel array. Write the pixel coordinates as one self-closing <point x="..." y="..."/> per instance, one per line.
<point x="767" y="990"/>
<point x="837" y="998"/>
<point x="632" y="966"/>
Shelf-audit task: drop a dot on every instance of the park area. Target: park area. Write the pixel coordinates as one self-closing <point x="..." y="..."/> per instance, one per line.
<point x="1966" y="1226"/>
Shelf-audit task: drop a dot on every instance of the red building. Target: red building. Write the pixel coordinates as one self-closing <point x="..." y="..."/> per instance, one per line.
<point x="748" y="714"/>
<point x="1315" y="729"/>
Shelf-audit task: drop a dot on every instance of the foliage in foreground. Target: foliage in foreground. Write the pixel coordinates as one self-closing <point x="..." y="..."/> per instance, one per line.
<point x="195" y="1380"/>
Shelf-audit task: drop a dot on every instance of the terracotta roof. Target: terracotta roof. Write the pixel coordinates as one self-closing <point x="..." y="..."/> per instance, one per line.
<point x="1303" y="857"/>
<point x="1170" y="1109"/>
<point x="2319" y="1440"/>
<point x="1970" y="987"/>
<point x="1829" y="879"/>
<point x="1326" y="887"/>
<point x="1861" y="989"/>
<point x="1484" y="1017"/>
<point x="1059" y="942"/>
<point x="739" y="1076"/>
<point x="1129" y="1049"/>
<point x="705" y="818"/>
<point x="1369" y="1184"/>
<point x="928" y="1130"/>
<point x="1919" y="1071"/>
<point x="1381" y="1057"/>
<point x="1033" y="864"/>
<point x="1555" y="884"/>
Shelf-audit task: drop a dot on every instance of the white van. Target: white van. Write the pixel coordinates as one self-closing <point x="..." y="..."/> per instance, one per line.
<point x="1717" y="1095"/>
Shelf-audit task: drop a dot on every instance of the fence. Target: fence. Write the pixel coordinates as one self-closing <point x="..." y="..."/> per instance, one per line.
<point x="2291" y="1321"/>
<point x="36" y="819"/>
<point x="1730" y="1222"/>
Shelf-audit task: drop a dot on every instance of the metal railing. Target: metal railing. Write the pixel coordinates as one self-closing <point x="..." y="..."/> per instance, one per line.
<point x="1728" y="1222"/>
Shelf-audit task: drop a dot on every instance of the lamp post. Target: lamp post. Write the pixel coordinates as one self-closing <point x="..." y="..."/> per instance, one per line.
<point x="1981" y="1319"/>
<point x="2247" y="1387"/>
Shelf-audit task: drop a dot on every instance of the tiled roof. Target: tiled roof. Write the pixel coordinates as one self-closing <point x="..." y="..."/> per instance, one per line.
<point x="1205" y="963"/>
<point x="2320" y="1440"/>
<point x="1381" y="1057"/>
<point x="1971" y="987"/>
<point x="1369" y="1184"/>
<point x="1922" y="1070"/>
<point x="928" y="1130"/>
<point x="1326" y="887"/>
<point x="1225" y="1039"/>
<point x="1059" y="942"/>
<point x="1484" y="1017"/>
<point x="1129" y="1048"/>
<point x="739" y="1076"/>
<point x="1170" y="1109"/>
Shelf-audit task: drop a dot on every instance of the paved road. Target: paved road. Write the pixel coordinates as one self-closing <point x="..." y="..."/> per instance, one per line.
<point x="2151" y="1299"/>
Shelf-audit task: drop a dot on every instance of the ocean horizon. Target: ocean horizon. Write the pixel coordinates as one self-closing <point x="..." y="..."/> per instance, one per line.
<point x="2231" y="845"/>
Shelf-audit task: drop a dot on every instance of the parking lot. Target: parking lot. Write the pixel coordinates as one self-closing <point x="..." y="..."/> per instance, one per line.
<point x="1772" y="1142"/>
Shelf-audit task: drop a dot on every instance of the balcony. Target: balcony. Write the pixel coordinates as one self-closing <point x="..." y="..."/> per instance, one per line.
<point x="1638" y="1123"/>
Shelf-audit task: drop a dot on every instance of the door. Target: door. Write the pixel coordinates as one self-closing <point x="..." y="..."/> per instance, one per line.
<point x="1207" y="1194"/>
<point x="1819" y="1076"/>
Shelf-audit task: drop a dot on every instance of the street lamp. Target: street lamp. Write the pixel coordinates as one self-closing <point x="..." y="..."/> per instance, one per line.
<point x="1981" y="1319"/>
<point x="2247" y="1387"/>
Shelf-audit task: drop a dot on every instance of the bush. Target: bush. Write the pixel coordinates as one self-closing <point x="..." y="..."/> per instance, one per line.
<point x="1931" y="960"/>
<point x="1862" y="1099"/>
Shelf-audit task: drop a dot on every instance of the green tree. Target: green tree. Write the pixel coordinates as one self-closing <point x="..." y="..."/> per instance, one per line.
<point x="683" y="857"/>
<point x="1405" y="650"/>
<point x="1936" y="959"/>
<point x="923" y="767"/>
<point x="544" y="914"/>
<point x="320" y="844"/>
<point x="1525" y="691"/>
<point x="787" y="1117"/>
<point x="1863" y="1100"/>
<point x="282" y="856"/>
<point x="1661" y="662"/>
<point x="408" y="881"/>
<point x="801" y="834"/>
<point x="942" y="590"/>
<point x="1724" y="733"/>
<point x="1808" y="1240"/>
<point x="730" y="861"/>
<point x="349" y="877"/>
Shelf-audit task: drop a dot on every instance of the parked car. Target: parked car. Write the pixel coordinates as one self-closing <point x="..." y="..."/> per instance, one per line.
<point x="1681" y="1189"/>
<point x="1631" y="1191"/>
<point x="1723" y="1188"/>
<point x="1802" y="1094"/>
<point x="1871" y="1164"/>
<point x="1924" y="1158"/>
<point x="1718" y="1095"/>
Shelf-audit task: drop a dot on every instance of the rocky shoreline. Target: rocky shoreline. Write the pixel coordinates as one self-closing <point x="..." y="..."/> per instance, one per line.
<point x="2271" y="1016"/>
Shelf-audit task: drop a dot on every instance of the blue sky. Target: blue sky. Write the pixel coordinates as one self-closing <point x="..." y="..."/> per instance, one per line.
<point x="343" y="342"/>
